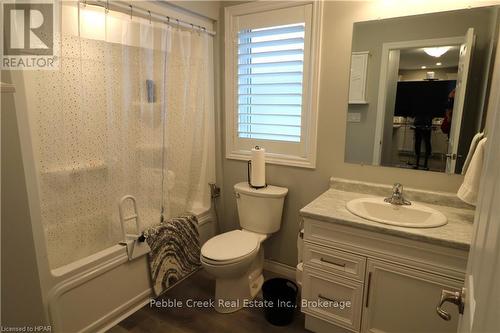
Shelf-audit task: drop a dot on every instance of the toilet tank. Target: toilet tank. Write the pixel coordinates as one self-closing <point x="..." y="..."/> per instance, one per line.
<point x="260" y="210"/>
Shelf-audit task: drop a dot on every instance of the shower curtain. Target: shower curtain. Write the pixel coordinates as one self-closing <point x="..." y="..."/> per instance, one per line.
<point x="130" y="111"/>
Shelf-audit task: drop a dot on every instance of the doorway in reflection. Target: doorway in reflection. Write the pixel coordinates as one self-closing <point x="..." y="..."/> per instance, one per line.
<point x="423" y="108"/>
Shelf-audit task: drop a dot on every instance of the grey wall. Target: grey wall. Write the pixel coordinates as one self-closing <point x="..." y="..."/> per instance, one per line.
<point x="448" y="73"/>
<point x="369" y="36"/>
<point x="306" y="184"/>
<point x="21" y="298"/>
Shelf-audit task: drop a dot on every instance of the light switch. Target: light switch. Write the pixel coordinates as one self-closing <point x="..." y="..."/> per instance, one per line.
<point x="353" y="117"/>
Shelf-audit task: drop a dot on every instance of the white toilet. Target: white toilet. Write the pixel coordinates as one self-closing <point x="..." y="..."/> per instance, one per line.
<point x="236" y="258"/>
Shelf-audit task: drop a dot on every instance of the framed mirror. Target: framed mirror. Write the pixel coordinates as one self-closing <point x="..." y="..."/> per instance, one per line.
<point x="418" y="88"/>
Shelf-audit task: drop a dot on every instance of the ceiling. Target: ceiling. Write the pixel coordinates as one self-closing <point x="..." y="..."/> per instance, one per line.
<point x="415" y="58"/>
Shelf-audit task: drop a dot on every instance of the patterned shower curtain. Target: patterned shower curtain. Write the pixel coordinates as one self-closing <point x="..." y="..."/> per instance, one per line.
<point x="130" y="111"/>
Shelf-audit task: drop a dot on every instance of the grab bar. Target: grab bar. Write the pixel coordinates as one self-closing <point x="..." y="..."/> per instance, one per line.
<point x="134" y="216"/>
<point x="135" y="243"/>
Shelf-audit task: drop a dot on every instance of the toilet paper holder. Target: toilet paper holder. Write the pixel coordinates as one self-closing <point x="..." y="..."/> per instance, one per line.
<point x="249" y="168"/>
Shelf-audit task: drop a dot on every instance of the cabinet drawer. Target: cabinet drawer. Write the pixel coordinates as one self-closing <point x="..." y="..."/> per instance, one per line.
<point x="335" y="261"/>
<point x="333" y="299"/>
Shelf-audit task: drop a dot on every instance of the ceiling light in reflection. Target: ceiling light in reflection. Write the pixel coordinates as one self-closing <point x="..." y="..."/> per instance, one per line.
<point x="438" y="64"/>
<point x="436" y="52"/>
<point x="423" y="67"/>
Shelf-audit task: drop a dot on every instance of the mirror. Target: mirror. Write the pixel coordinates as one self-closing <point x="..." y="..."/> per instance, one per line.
<point x="419" y="87"/>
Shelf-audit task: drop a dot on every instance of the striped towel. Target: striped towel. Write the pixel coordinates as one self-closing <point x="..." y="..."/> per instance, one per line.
<point x="175" y="251"/>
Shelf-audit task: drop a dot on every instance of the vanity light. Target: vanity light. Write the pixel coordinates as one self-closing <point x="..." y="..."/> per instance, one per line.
<point x="438" y="64"/>
<point x="437" y="51"/>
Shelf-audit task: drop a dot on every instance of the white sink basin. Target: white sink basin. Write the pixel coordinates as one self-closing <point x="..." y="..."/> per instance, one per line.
<point x="411" y="216"/>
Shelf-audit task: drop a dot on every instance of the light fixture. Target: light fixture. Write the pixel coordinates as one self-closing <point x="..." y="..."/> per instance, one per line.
<point x="438" y="64"/>
<point x="436" y="52"/>
<point x="92" y="22"/>
<point x="423" y="67"/>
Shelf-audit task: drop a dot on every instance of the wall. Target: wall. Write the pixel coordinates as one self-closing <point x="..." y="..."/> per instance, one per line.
<point x="449" y="73"/>
<point x="370" y="36"/>
<point x="306" y="184"/>
<point x="21" y="298"/>
<point x="208" y="9"/>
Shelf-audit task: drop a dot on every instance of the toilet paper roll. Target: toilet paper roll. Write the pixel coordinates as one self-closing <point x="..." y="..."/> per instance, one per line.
<point x="258" y="174"/>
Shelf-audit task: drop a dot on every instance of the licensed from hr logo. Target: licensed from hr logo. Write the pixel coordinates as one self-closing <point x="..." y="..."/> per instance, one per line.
<point x="29" y="34"/>
<point x="39" y="328"/>
<point x="255" y="303"/>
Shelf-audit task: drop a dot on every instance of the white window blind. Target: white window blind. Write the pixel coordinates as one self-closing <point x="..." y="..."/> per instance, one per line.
<point x="271" y="80"/>
<point x="270" y="77"/>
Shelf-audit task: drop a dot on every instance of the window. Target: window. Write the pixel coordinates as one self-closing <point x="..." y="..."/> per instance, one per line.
<point x="271" y="81"/>
<point x="270" y="71"/>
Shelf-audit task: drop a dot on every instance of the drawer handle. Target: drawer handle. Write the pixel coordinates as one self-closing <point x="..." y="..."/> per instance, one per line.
<point x="325" y="298"/>
<point x="368" y="289"/>
<point x="333" y="263"/>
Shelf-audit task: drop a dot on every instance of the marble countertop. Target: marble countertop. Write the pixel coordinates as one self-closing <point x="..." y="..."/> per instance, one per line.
<point x="457" y="233"/>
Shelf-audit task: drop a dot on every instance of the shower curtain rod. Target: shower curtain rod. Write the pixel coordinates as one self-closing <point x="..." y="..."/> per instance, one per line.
<point x="147" y="14"/>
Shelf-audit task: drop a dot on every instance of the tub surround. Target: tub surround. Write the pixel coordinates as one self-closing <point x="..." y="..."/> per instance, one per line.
<point x="457" y="233"/>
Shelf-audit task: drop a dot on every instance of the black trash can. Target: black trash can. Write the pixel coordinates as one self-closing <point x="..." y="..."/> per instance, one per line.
<point x="280" y="299"/>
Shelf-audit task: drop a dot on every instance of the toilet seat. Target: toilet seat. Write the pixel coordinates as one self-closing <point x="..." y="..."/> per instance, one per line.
<point x="230" y="247"/>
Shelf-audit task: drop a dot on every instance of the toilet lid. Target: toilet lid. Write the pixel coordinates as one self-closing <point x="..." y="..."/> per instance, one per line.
<point x="230" y="245"/>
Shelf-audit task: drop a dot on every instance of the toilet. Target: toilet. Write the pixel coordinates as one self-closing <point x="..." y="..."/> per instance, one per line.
<point x="236" y="258"/>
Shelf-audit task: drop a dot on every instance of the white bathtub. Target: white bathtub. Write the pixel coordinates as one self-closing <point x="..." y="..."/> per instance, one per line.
<point x="96" y="292"/>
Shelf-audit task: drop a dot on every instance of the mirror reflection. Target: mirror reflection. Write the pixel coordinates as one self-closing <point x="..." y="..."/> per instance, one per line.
<point x="417" y="89"/>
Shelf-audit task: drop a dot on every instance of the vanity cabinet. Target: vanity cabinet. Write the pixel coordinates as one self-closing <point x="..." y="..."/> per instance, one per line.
<point x="393" y="284"/>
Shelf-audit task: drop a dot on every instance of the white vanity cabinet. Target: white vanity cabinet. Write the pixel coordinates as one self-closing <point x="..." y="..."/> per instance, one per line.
<point x="393" y="283"/>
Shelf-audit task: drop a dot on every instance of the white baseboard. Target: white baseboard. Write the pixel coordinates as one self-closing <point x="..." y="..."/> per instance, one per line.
<point x="279" y="268"/>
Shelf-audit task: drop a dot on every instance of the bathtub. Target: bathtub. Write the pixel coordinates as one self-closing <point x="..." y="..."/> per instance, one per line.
<point x="95" y="293"/>
<point x="91" y="294"/>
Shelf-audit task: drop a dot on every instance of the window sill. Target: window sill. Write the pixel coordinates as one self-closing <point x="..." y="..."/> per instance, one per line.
<point x="278" y="159"/>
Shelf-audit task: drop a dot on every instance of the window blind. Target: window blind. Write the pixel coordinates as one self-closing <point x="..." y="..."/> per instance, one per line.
<point x="270" y="77"/>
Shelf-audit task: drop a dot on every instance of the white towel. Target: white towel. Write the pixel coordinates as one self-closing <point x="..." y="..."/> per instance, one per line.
<point x="468" y="191"/>
<point x="472" y="149"/>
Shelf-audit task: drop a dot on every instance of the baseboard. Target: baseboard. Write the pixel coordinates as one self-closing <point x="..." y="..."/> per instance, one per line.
<point x="124" y="315"/>
<point x="279" y="268"/>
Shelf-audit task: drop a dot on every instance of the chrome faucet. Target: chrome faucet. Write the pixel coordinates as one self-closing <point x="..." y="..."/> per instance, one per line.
<point x="397" y="197"/>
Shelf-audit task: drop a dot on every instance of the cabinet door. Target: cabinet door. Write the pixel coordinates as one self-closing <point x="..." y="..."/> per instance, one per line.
<point x="399" y="299"/>
<point x="357" y="83"/>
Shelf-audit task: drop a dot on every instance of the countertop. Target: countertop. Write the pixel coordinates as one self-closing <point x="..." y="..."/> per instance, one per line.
<point x="457" y="233"/>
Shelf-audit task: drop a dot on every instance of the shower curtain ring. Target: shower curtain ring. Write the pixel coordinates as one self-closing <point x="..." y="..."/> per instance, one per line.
<point x="149" y="16"/>
<point x="107" y="6"/>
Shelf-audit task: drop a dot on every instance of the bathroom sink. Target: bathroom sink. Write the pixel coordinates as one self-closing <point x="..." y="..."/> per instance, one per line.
<point x="411" y="216"/>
